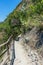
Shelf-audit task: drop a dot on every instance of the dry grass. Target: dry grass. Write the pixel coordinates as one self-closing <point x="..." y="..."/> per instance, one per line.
<point x="1" y="35"/>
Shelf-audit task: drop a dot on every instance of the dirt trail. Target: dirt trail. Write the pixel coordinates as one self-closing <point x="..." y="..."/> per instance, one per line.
<point x="24" y="58"/>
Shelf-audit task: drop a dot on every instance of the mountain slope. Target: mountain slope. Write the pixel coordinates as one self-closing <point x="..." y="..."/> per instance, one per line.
<point x="29" y="13"/>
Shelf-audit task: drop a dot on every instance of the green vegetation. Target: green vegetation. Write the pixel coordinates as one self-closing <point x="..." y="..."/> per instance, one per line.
<point x="28" y="15"/>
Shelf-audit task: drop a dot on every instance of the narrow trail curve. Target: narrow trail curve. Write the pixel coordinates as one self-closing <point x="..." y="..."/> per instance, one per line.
<point x="22" y="57"/>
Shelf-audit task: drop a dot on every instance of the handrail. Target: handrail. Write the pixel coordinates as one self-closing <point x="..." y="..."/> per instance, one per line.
<point x="3" y="52"/>
<point x="4" y="60"/>
<point x="6" y="42"/>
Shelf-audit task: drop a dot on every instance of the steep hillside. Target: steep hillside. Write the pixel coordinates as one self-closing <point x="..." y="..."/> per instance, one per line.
<point x="29" y="13"/>
<point x="26" y="19"/>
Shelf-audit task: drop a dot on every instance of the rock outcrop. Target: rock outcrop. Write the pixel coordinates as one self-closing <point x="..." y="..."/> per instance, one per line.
<point x="26" y="49"/>
<point x="34" y="39"/>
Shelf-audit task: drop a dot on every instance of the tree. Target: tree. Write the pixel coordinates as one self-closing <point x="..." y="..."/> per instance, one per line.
<point x="36" y="1"/>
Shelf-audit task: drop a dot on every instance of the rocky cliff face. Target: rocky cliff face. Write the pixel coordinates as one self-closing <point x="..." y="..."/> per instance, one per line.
<point x="27" y="46"/>
<point x="34" y="39"/>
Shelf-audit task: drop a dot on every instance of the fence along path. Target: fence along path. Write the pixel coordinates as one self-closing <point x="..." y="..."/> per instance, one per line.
<point x="5" y="56"/>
